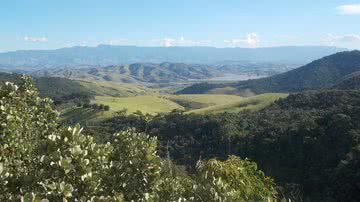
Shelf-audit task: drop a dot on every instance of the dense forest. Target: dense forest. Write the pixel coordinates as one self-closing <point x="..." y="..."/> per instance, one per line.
<point x="309" y="142"/>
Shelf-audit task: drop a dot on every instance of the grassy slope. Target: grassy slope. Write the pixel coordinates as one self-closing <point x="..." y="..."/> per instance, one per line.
<point x="52" y="87"/>
<point x="154" y="104"/>
<point x="145" y="104"/>
<point x="193" y="101"/>
<point x="107" y="88"/>
<point x="250" y="103"/>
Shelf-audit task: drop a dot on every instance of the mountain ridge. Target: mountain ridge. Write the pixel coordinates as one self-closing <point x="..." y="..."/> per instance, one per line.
<point x="134" y="73"/>
<point x="319" y="74"/>
<point x="105" y="55"/>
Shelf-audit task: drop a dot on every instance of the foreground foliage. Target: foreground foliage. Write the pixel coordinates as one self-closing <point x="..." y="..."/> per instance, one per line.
<point x="41" y="161"/>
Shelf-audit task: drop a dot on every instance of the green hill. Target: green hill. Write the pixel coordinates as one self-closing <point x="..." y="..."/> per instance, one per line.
<point x="145" y="104"/>
<point x="108" y="88"/>
<point x="52" y="87"/>
<point x="320" y="74"/>
<point x="349" y="82"/>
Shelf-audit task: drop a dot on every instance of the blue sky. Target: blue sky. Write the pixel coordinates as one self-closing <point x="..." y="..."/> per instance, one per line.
<point x="41" y="24"/>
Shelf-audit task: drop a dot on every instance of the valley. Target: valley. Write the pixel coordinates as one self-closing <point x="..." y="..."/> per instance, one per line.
<point x="206" y="111"/>
<point x="179" y="101"/>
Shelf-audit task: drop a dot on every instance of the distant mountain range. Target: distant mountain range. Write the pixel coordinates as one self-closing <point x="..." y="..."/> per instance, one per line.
<point x="340" y="69"/>
<point x="105" y="55"/>
<point x="135" y="73"/>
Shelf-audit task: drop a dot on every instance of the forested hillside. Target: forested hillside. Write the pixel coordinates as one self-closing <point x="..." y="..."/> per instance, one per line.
<point x="54" y="88"/>
<point x="320" y="74"/>
<point x="351" y="81"/>
<point x="309" y="142"/>
<point x="41" y="160"/>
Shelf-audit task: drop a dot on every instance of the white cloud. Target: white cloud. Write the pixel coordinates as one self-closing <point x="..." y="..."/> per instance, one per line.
<point x="167" y="42"/>
<point x="251" y="39"/>
<point x="36" y="39"/>
<point x="182" y="41"/>
<point x="117" y="42"/>
<point x="349" y="9"/>
<point x="345" y="38"/>
<point x="351" y="41"/>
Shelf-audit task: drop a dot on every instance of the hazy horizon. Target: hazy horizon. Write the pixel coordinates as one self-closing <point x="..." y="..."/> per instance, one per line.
<point x="139" y="46"/>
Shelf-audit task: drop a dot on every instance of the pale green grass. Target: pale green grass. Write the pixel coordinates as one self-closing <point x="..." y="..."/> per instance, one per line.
<point x="224" y="90"/>
<point x="154" y="104"/>
<point x="253" y="103"/>
<point x="145" y="104"/>
<point x="201" y="104"/>
<point x="196" y="101"/>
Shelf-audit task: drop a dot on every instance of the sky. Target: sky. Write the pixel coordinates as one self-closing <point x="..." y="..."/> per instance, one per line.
<point x="52" y="24"/>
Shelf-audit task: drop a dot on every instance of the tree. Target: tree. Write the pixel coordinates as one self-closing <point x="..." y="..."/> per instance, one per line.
<point x="233" y="180"/>
<point x="135" y="170"/>
<point x="39" y="160"/>
<point x="25" y="118"/>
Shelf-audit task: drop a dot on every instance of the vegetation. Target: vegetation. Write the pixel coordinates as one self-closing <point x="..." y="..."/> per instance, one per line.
<point x="108" y="88"/>
<point x="309" y="142"/>
<point x="42" y="161"/>
<point x="189" y="103"/>
<point x="58" y="89"/>
<point x="351" y="81"/>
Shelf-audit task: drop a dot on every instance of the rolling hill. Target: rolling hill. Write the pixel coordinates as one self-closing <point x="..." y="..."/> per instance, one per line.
<point x="198" y="104"/>
<point x="134" y="73"/>
<point x="320" y="74"/>
<point x="54" y="88"/>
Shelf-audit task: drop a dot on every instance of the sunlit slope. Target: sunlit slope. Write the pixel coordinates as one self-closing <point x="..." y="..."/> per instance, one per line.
<point x="194" y="101"/>
<point x="107" y="88"/>
<point x="190" y="103"/>
<point x="250" y="103"/>
<point x="145" y="104"/>
<point x="155" y="104"/>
